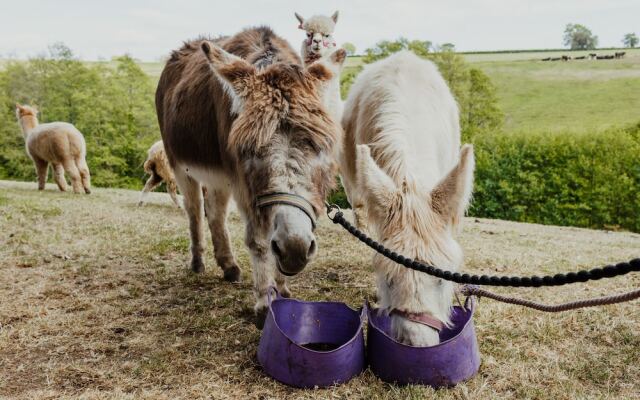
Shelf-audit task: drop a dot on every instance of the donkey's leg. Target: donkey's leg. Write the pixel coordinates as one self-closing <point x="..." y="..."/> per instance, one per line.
<point x="173" y="191"/>
<point x="85" y="176"/>
<point x="152" y="183"/>
<point x="264" y="271"/>
<point x="74" y="174"/>
<point x="58" y="176"/>
<point x="42" y="170"/>
<point x="215" y="204"/>
<point x="192" y="193"/>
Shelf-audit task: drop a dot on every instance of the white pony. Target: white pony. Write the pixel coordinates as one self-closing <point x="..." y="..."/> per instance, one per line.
<point x="406" y="177"/>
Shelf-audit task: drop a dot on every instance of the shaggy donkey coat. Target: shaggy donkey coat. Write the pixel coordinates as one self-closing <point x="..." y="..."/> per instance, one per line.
<point x="407" y="179"/>
<point x="159" y="170"/>
<point x="59" y="144"/>
<point x="240" y="116"/>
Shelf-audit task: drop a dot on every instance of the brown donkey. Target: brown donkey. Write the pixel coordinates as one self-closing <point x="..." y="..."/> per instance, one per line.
<point x="240" y="116"/>
<point x="56" y="143"/>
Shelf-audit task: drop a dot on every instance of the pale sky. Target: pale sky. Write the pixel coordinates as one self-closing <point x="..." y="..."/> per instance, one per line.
<point x="150" y="29"/>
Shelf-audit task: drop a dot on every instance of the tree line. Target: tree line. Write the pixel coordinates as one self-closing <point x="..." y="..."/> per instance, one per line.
<point x="112" y="104"/>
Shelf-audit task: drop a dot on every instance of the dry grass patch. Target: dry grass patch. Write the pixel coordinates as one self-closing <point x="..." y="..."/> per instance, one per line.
<point x="96" y="302"/>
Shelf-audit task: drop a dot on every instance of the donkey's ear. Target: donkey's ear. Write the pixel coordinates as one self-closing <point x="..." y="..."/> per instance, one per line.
<point x="19" y="107"/>
<point x="376" y="186"/>
<point x="329" y="67"/>
<point x="452" y="195"/>
<point x="300" y="19"/>
<point x="234" y="72"/>
<point x="338" y="57"/>
<point x="229" y="66"/>
<point x="319" y="71"/>
<point x="334" y="17"/>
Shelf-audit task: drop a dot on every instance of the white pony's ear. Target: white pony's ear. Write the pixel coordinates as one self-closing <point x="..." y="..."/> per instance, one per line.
<point x="376" y="186"/>
<point x="334" y="17"/>
<point x="300" y="19"/>
<point x="452" y="195"/>
<point x="234" y="73"/>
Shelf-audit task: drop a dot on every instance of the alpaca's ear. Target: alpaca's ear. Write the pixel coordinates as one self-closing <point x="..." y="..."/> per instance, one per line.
<point x="376" y="186"/>
<point x="452" y="195"/>
<point x="235" y="73"/>
<point x="334" y="17"/>
<point x="300" y="19"/>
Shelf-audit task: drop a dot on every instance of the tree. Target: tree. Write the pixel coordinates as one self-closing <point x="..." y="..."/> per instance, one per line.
<point x="350" y="48"/>
<point x="579" y="37"/>
<point x="481" y="113"/>
<point x="447" y="47"/>
<point x="630" y="40"/>
<point x="110" y="103"/>
<point x="385" y="48"/>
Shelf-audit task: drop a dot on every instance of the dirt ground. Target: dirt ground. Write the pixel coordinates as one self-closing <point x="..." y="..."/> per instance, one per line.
<point x="96" y="302"/>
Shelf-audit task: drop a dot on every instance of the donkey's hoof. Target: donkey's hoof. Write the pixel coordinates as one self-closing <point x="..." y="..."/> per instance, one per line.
<point x="197" y="266"/>
<point x="232" y="274"/>
<point x="87" y="191"/>
<point x="261" y="316"/>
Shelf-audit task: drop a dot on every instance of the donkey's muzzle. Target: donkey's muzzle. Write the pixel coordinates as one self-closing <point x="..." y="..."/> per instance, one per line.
<point x="293" y="254"/>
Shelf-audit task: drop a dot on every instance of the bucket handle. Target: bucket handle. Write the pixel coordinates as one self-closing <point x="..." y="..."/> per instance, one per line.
<point x="469" y="303"/>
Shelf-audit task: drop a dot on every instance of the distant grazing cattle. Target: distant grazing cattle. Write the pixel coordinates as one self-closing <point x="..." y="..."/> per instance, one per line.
<point x="593" y="55"/>
<point x="620" y="54"/>
<point x="580" y="58"/>
<point x="546" y="59"/>
<point x="566" y="58"/>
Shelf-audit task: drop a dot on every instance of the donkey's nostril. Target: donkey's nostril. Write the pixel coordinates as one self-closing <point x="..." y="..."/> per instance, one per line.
<point x="275" y="249"/>
<point x="312" y="248"/>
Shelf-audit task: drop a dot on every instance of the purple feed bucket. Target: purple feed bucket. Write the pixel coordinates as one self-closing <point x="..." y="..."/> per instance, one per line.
<point x="306" y="344"/>
<point x="454" y="360"/>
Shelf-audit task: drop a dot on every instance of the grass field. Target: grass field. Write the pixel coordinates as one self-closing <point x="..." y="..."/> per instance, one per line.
<point x="575" y="96"/>
<point x="96" y="303"/>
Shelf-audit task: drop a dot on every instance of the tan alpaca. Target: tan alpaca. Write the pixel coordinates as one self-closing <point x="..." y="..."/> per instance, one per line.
<point x="157" y="166"/>
<point x="57" y="143"/>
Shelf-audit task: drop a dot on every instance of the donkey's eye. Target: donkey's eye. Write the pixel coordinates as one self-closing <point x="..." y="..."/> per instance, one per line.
<point x="308" y="34"/>
<point x="326" y="35"/>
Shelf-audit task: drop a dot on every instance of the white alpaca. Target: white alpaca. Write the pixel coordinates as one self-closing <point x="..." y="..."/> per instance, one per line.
<point x="319" y="41"/>
<point x="331" y="95"/>
<point x="405" y="175"/>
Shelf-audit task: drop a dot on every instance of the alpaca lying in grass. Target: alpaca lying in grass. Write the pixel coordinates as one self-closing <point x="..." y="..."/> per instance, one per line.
<point x="57" y="143"/>
<point x="406" y="176"/>
<point x="159" y="170"/>
<point x="319" y="41"/>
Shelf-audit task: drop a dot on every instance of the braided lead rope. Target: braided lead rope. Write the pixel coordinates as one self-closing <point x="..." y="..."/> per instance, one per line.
<point x="608" y="271"/>
<point x="471" y="290"/>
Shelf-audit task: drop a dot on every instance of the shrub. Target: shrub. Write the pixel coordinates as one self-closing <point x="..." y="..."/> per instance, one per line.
<point x="588" y="180"/>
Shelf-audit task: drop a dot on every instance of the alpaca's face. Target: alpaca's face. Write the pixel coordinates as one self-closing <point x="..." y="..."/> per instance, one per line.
<point x="25" y="111"/>
<point x="320" y="43"/>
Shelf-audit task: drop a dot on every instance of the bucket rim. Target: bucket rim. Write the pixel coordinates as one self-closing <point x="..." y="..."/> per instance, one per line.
<point x="357" y="333"/>
<point x="471" y="308"/>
